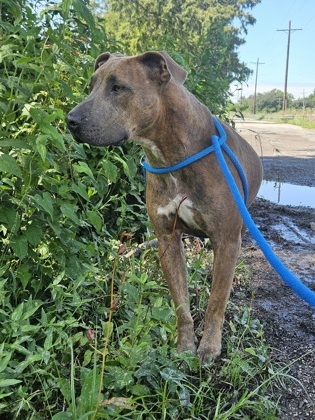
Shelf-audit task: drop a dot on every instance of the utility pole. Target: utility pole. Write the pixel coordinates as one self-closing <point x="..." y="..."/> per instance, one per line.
<point x="255" y="94"/>
<point x="285" y="98"/>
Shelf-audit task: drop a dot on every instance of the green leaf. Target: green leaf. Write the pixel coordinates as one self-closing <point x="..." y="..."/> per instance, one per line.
<point x="110" y="171"/>
<point x="233" y="327"/>
<point x="30" y="359"/>
<point x="4" y="362"/>
<point x="41" y="148"/>
<point x="9" y="382"/>
<point x="48" y="340"/>
<point x="46" y="203"/>
<point x="172" y="375"/>
<point x="132" y="167"/>
<point x="80" y="189"/>
<point x="251" y="351"/>
<point x="90" y="389"/>
<point x="52" y="133"/>
<point x="17" y="313"/>
<point x="6" y="50"/>
<point x="34" y="234"/>
<point x="3" y="269"/>
<point x="82" y="167"/>
<point x="8" y="164"/>
<point x="162" y="313"/>
<point x="65" y="415"/>
<point x="120" y="377"/>
<point x="15" y="144"/>
<point x="70" y="210"/>
<point x="24" y="274"/>
<point x="83" y="12"/>
<point x="33" y="307"/>
<point x="140" y="390"/>
<point x="10" y="218"/>
<point x="95" y="219"/>
<point x="20" y="246"/>
<point x="65" y="389"/>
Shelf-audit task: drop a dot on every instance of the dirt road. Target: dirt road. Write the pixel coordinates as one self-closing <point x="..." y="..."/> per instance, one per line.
<point x="288" y="154"/>
<point x="288" y="151"/>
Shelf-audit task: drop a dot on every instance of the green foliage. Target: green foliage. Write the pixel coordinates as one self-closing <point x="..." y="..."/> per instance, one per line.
<point x="55" y="195"/>
<point x="307" y="102"/>
<point x="85" y="332"/>
<point x="302" y="119"/>
<point x="202" y="36"/>
<point x="272" y="102"/>
<point x="60" y="202"/>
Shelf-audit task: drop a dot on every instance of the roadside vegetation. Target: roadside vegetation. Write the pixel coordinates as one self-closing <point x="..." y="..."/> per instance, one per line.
<point x="269" y="107"/>
<point x="87" y="330"/>
<point x="305" y="119"/>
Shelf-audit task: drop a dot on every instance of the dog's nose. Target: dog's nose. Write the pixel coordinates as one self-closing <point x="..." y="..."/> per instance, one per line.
<point x="73" y="121"/>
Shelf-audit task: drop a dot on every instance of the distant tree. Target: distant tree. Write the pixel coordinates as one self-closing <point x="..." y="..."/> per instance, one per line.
<point x="202" y="35"/>
<point x="306" y="102"/>
<point x="271" y="101"/>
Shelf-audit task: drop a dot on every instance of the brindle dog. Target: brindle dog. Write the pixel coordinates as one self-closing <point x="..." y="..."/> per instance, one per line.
<point x="143" y="99"/>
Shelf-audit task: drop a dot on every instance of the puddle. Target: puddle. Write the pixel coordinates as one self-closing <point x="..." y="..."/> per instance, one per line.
<point x="287" y="194"/>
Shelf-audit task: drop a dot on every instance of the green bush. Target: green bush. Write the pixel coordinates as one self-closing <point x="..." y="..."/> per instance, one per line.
<point x="61" y="203"/>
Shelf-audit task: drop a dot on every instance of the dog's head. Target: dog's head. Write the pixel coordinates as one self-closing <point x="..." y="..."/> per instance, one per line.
<point x="126" y="98"/>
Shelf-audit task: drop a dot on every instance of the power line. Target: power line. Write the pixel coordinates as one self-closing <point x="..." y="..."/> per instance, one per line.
<point x="285" y="98"/>
<point x="255" y="94"/>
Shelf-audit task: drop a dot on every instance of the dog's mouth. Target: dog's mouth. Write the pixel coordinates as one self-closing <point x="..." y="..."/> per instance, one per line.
<point x="96" y="140"/>
<point x="84" y="131"/>
<point x="120" y="142"/>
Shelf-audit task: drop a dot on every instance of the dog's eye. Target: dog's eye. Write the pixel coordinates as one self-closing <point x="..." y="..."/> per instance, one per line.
<point x="117" y="88"/>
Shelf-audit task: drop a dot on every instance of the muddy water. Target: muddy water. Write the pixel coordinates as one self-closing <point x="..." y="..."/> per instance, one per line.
<point x="287" y="194"/>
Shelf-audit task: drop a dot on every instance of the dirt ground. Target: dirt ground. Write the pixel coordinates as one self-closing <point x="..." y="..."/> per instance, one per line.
<point x="288" y="155"/>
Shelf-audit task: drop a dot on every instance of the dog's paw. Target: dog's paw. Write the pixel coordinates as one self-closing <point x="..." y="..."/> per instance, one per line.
<point x="186" y="346"/>
<point x="208" y="353"/>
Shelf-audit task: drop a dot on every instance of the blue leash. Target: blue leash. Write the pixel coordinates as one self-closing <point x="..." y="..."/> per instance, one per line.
<point x="299" y="288"/>
<point x="200" y="155"/>
<point x="217" y="143"/>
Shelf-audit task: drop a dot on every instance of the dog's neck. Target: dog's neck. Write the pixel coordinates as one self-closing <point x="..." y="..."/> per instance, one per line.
<point x="189" y="132"/>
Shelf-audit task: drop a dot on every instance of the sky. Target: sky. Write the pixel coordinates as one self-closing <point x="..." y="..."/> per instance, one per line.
<point x="265" y="43"/>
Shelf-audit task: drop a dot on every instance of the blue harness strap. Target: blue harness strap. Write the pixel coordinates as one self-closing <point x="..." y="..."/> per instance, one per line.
<point x="221" y="140"/>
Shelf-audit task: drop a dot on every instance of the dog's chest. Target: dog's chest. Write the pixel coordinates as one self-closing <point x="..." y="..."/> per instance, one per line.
<point x="181" y="207"/>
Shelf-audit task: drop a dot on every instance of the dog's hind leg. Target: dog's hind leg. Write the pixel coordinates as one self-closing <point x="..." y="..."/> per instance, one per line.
<point x="174" y="268"/>
<point x="225" y="257"/>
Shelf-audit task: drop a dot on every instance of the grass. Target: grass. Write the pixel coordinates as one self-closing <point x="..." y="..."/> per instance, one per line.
<point x="101" y="344"/>
<point x="104" y="349"/>
<point x="126" y="366"/>
<point x="305" y="119"/>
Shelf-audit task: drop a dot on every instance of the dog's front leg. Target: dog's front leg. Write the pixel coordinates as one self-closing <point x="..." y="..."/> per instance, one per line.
<point x="225" y="257"/>
<point x="174" y="268"/>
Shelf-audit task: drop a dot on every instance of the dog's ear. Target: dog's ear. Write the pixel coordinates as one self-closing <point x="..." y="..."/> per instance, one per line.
<point x="101" y="59"/>
<point x="163" y="67"/>
<point x="177" y="72"/>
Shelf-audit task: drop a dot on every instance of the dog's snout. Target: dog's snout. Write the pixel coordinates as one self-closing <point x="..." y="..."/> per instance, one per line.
<point x="73" y="120"/>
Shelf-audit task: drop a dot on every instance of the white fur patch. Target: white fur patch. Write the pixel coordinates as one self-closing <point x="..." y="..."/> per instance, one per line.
<point x="183" y="207"/>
